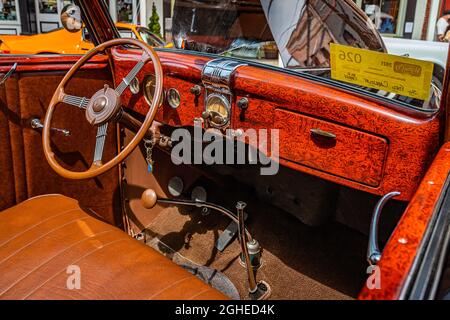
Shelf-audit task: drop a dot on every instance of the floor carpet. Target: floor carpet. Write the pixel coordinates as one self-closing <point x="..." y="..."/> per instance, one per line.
<point x="299" y="262"/>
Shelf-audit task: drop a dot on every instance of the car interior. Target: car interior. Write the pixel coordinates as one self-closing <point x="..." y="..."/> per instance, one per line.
<point x="89" y="177"/>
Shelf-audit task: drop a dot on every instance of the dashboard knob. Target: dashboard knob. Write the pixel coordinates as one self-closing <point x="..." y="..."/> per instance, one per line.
<point x="219" y="120"/>
<point x="206" y="115"/>
<point x="149" y="198"/>
<point x="243" y="103"/>
<point x="196" y="90"/>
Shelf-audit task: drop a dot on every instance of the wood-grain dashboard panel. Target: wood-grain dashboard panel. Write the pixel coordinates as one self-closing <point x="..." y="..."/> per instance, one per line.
<point x="191" y="106"/>
<point x="403" y="143"/>
<point x="321" y="145"/>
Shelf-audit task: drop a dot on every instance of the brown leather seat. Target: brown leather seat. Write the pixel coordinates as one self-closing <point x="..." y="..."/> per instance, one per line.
<point x="42" y="239"/>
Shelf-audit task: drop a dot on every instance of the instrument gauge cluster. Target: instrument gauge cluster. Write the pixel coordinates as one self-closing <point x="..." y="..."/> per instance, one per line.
<point x="217" y="79"/>
<point x="218" y="109"/>
<point x="173" y="98"/>
<point x="218" y="93"/>
<point x="149" y="84"/>
<point x="172" y="95"/>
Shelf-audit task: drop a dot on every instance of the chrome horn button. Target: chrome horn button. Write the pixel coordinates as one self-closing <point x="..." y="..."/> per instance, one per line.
<point x="100" y="104"/>
<point x="103" y="106"/>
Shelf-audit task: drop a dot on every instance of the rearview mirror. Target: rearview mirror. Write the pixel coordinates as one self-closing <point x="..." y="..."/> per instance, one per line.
<point x="71" y="18"/>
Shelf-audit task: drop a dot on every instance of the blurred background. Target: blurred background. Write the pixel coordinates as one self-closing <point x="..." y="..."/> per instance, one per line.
<point x="409" y="19"/>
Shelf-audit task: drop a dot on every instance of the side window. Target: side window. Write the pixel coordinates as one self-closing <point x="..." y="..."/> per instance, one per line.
<point x="126" y="33"/>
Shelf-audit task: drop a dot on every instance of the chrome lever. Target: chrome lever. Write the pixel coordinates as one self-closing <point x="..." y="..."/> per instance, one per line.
<point x="373" y="250"/>
<point x="37" y="125"/>
<point x="8" y="74"/>
<point x="257" y="290"/>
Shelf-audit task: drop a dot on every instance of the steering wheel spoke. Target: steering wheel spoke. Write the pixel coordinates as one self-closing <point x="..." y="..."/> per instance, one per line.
<point x="100" y="139"/>
<point x="80" y="102"/>
<point x="133" y="73"/>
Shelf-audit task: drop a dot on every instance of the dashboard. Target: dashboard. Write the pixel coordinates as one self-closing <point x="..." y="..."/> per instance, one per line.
<point x="323" y="131"/>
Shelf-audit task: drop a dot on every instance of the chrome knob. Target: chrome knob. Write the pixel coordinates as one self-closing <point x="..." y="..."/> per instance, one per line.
<point x="100" y="104"/>
<point x="196" y="90"/>
<point x="243" y="103"/>
<point x="206" y="115"/>
<point x="37" y="125"/>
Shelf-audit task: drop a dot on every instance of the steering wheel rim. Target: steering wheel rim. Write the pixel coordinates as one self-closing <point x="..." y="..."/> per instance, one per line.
<point x="98" y="168"/>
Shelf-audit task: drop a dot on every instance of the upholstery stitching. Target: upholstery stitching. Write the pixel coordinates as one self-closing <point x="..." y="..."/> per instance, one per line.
<point x="198" y="294"/>
<point x="73" y="262"/>
<point x="168" y="287"/>
<point x="43" y="196"/>
<point x="35" y="225"/>
<point x="53" y="257"/>
<point x="42" y="236"/>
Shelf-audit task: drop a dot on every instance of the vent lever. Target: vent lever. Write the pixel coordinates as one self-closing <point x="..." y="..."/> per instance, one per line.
<point x="8" y="74"/>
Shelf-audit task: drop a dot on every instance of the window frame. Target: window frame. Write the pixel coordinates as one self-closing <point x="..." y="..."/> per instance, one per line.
<point x="425" y="275"/>
<point x="400" y="20"/>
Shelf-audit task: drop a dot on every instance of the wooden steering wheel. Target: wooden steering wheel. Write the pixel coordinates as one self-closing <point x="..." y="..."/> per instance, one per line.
<point x="102" y="108"/>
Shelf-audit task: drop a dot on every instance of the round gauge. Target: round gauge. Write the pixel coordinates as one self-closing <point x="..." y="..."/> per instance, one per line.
<point x="219" y="109"/>
<point x="149" y="88"/>
<point x="199" y="194"/>
<point x="134" y="86"/>
<point x="175" y="186"/>
<point x="173" y="98"/>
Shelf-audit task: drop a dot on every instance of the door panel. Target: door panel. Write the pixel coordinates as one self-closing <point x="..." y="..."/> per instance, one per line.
<point x="26" y="96"/>
<point x="406" y="245"/>
<point x="7" y="191"/>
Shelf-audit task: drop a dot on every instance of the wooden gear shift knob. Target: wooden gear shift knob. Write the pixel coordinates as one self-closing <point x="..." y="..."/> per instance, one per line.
<point x="149" y="198"/>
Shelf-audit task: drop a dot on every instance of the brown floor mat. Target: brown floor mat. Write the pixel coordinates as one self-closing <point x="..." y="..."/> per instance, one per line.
<point x="299" y="262"/>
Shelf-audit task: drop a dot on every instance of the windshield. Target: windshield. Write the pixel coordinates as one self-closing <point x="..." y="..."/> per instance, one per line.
<point x="297" y="35"/>
<point x="229" y="28"/>
<point x="150" y="38"/>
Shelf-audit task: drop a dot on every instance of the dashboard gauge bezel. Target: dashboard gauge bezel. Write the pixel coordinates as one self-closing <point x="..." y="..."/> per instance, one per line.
<point x="149" y="78"/>
<point x="135" y="86"/>
<point x="169" y="99"/>
<point x="226" y="103"/>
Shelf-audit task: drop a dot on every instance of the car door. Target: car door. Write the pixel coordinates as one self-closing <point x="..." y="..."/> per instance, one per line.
<point x="415" y="262"/>
<point x="24" y="97"/>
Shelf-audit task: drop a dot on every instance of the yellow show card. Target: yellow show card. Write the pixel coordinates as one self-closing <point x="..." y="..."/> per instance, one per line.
<point x="382" y="71"/>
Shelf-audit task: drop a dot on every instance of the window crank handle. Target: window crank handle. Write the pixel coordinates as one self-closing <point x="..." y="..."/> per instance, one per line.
<point x="37" y="125"/>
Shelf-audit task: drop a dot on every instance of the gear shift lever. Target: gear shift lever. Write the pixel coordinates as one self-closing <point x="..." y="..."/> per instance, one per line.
<point x="260" y="290"/>
<point x="240" y="206"/>
<point x="257" y="291"/>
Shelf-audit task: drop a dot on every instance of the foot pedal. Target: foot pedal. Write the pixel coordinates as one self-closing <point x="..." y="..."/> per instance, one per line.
<point x="228" y="235"/>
